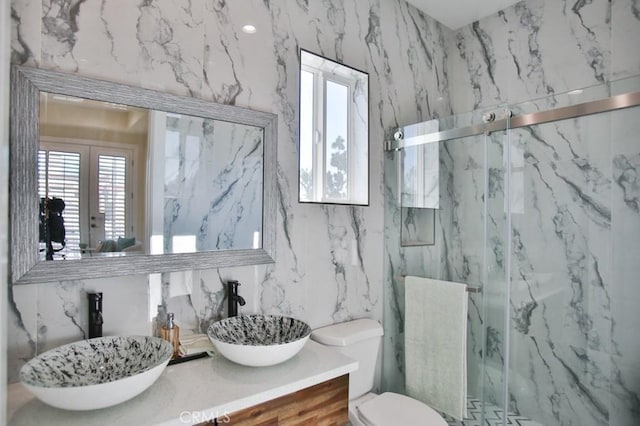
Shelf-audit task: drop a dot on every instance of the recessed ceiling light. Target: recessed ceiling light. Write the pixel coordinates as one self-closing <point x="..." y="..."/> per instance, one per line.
<point x="249" y="29"/>
<point x="575" y="92"/>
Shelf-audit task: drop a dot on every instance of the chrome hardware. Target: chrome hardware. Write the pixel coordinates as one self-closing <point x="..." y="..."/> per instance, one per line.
<point x="488" y="117"/>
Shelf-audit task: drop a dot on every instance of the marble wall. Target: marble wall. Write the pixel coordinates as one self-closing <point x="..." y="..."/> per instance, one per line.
<point x="575" y="230"/>
<point x="573" y="357"/>
<point x="328" y="258"/>
<point x="212" y="173"/>
<point x="4" y="195"/>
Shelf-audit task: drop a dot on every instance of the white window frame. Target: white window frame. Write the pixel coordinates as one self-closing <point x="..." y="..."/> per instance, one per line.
<point x="94" y="193"/>
<point x="320" y="144"/>
<point x="85" y="147"/>
<point x="81" y="152"/>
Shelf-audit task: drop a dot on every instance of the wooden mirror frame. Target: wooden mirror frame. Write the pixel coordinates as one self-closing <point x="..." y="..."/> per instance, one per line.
<point x="26" y="266"/>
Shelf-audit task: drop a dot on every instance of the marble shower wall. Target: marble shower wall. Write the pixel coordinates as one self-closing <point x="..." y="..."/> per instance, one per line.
<point x="573" y="357"/>
<point x="573" y="351"/>
<point x="569" y="263"/>
<point x="538" y="48"/>
<point x="328" y="258"/>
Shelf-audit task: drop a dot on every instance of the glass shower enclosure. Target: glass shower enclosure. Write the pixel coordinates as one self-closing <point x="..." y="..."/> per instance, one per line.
<point x="538" y="207"/>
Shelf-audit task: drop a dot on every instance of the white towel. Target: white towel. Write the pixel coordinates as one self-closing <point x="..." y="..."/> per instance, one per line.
<point x="195" y="344"/>
<point x="435" y="336"/>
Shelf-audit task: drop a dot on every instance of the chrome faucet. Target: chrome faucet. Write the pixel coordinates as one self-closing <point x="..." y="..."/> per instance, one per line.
<point x="233" y="298"/>
<point x="95" y="315"/>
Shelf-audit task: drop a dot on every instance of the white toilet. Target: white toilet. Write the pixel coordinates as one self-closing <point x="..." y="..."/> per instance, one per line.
<point x="360" y="340"/>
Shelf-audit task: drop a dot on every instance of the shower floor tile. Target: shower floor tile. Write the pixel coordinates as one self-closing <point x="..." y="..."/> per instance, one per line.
<point x="493" y="416"/>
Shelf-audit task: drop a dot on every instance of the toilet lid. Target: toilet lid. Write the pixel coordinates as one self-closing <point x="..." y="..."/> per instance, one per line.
<point x="395" y="409"/>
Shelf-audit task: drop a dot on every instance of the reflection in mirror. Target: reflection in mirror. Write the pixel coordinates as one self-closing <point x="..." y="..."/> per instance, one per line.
<point x="420" y="168"/>
<point x="128" y="180"/>
<point x="420" y="184"/>
<point x="92" y="157"/>
<point x="334" y="132"/>
<point x="212" y="176"/>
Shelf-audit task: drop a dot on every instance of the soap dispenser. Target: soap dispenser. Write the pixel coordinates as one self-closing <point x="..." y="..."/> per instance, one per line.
<point x="171" y="333"/>
<point x="160" y="320"/>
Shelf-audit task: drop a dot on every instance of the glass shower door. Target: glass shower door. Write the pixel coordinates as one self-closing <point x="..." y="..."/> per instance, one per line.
<point x="495" y="289"/>
<point x="574" y="351"/>
<point x="545" y="218"/>
<point x="468" y="246"/>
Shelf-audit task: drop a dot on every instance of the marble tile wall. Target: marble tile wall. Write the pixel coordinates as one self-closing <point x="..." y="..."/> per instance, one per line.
<point x="328" y="258"/>
<point x="4" y="195"/>
<point x="212" y="173"/>
<point x="573" y="354"/>
<point x="568" y="320"/>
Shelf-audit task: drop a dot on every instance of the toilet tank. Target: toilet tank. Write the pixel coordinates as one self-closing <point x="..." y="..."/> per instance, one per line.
<point x="358" y="339"/>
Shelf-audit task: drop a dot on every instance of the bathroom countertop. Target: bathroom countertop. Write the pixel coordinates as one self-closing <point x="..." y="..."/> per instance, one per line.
<point x="193" y="392"/>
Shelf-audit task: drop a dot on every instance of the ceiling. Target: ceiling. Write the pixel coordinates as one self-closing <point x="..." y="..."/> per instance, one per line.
<point x="458" y="13"/>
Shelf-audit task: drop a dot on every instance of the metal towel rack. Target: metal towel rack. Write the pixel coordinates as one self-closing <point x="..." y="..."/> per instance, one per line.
<point x="469" y="288"/>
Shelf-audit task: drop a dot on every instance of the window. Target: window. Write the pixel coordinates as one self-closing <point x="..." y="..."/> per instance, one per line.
<point x="93" y="181"/>
<point x="112" y="195"/>
<point x="337" y="129"/>
<point x="59" y="176"/>
<point x="333" y="132"/>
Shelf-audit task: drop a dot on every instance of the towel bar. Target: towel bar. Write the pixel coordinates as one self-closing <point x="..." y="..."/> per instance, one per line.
<point x="469" y="288"/>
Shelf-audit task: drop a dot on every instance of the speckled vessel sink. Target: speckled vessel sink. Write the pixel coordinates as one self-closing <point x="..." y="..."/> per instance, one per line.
<point x="96" y="373"/>
<point x="259" y="340"/>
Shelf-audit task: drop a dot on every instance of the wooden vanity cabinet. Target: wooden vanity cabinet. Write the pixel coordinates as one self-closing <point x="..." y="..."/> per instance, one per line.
<point x="325" y="404"/>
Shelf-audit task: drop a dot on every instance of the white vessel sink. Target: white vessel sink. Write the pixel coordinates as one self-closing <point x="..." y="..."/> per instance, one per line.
<point x="96" y="373"/>
<point x="259" y="340"/>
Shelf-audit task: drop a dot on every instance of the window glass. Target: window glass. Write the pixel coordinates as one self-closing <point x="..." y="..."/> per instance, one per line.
<point x="59" y="176"/>
<point x="112" y="193"/>
<point x="69" y="170"/>
<point x="337" y="140"/>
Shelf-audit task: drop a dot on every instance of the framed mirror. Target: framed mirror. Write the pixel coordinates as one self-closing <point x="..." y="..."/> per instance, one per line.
<point x="334" y="132"/>
<point x="108" y="179"/>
